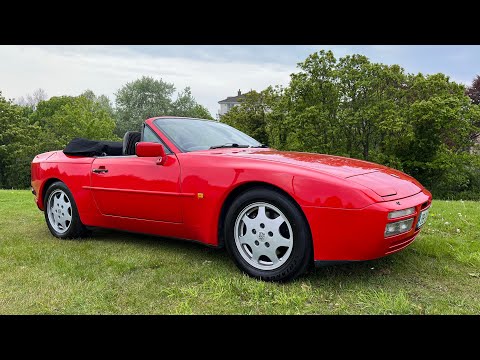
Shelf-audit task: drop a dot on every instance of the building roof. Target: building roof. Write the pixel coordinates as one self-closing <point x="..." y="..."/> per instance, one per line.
<point x="233" y="99"/>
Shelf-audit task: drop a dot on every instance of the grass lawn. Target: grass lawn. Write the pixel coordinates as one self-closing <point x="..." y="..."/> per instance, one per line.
<point x="119" y="273"/>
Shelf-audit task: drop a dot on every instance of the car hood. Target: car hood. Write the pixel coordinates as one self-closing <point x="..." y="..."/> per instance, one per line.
<point x="388" y="183"/>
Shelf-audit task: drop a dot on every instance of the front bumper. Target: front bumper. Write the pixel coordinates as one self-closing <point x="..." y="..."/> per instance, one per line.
<point x="358" y="234"/>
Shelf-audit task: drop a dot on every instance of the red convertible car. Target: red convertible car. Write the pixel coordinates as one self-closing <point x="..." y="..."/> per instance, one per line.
<point x="276" y="212"/>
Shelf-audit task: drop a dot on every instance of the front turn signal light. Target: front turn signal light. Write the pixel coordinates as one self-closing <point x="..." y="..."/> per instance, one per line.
<point x="400" y="213"/>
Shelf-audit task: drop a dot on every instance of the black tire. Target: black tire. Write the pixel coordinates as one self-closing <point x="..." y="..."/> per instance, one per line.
<point x="75" y="229"/>
<point x="301" y="253"/>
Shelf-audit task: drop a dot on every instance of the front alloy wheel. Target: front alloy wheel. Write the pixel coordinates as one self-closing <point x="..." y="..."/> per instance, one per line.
<point x="263" y="236"/>
<point x="267" y="235"/>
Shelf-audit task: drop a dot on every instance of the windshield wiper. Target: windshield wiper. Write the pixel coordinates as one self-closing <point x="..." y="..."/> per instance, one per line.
<point x="229" y="145"/>
<point x="260" y="146"/>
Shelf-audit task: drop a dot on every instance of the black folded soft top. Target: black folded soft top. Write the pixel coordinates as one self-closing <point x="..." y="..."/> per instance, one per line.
<point x="85" y="147"/>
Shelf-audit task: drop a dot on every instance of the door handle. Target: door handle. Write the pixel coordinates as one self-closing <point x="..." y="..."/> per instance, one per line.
<point x="99" y="171"/>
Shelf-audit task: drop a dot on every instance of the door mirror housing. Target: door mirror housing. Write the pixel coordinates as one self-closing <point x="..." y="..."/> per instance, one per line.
<point x="151" y="149"/>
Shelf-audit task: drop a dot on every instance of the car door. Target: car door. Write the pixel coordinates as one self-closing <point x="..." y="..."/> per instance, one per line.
<point x="136" y="187"/>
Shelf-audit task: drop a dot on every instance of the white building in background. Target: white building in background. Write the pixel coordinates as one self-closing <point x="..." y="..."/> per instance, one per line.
<point x="230" y="102"/>
<point x="475" y="149"/>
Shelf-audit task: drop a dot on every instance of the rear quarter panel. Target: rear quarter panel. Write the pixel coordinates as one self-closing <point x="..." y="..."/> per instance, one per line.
<point x="74" y="172"/>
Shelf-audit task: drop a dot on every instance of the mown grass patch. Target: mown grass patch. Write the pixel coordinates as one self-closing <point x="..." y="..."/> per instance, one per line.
<point x="120" y="273"/>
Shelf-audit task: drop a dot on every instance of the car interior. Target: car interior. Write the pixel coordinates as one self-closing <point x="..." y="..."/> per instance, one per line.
<point x="91" y="148"/>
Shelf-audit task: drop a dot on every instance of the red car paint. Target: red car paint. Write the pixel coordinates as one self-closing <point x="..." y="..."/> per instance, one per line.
<point x="345" y="201"/>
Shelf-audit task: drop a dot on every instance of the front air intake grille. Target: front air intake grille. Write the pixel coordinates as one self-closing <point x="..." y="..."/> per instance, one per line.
<point x="400" y="244"/>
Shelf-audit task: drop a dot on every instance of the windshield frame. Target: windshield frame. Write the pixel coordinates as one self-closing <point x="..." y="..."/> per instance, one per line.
<point x="158" y="125"/>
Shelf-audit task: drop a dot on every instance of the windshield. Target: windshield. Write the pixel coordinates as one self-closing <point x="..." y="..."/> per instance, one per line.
<point x="194" y="134"/>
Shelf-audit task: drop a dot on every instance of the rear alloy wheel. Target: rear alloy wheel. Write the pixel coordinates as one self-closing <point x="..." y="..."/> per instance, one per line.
<point x="267" y="235"/>
<point x="59" y="209"/>
<point x="61" y="212"/>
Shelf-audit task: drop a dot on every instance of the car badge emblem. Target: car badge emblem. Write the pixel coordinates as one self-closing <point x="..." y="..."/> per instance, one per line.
<point x="398" y="203"/>
<point x="261" y="236"/>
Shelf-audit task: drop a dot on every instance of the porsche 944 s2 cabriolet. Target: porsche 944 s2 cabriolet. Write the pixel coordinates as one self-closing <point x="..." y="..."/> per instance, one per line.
<point x="276" y="212"/>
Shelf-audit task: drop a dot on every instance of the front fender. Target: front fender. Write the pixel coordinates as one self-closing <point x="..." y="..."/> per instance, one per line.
<point x="331" y="192"/>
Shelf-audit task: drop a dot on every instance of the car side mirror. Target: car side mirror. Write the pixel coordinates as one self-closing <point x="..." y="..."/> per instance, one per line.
<point x="151" y="149"/>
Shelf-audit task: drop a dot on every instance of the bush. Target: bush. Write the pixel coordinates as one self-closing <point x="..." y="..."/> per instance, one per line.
<point x="24" y="134"/>
<point x="455" y="176"/>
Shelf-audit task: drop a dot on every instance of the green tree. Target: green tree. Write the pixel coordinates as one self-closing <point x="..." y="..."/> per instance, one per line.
<point x="147" y="97"/>
<point x="276" y="126"/>
<point x="47" y="108"/>
<point x="311" y="105"/>
<point x="141" y="99"/>
<point x="80" y="118"/>
<point x="102" y="100"/>
<point x="18" y="144"/>
<point x="187" y="106"/>
<point x="442" y="119"/>
<point x="50" y="127"/>
<point x="369" y="112"/>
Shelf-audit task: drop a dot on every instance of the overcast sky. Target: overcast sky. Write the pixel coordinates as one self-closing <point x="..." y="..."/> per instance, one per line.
<point x="213" y="72"/>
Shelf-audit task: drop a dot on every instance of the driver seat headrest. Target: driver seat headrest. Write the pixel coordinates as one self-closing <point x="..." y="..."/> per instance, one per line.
<point x="130" y="139"/>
